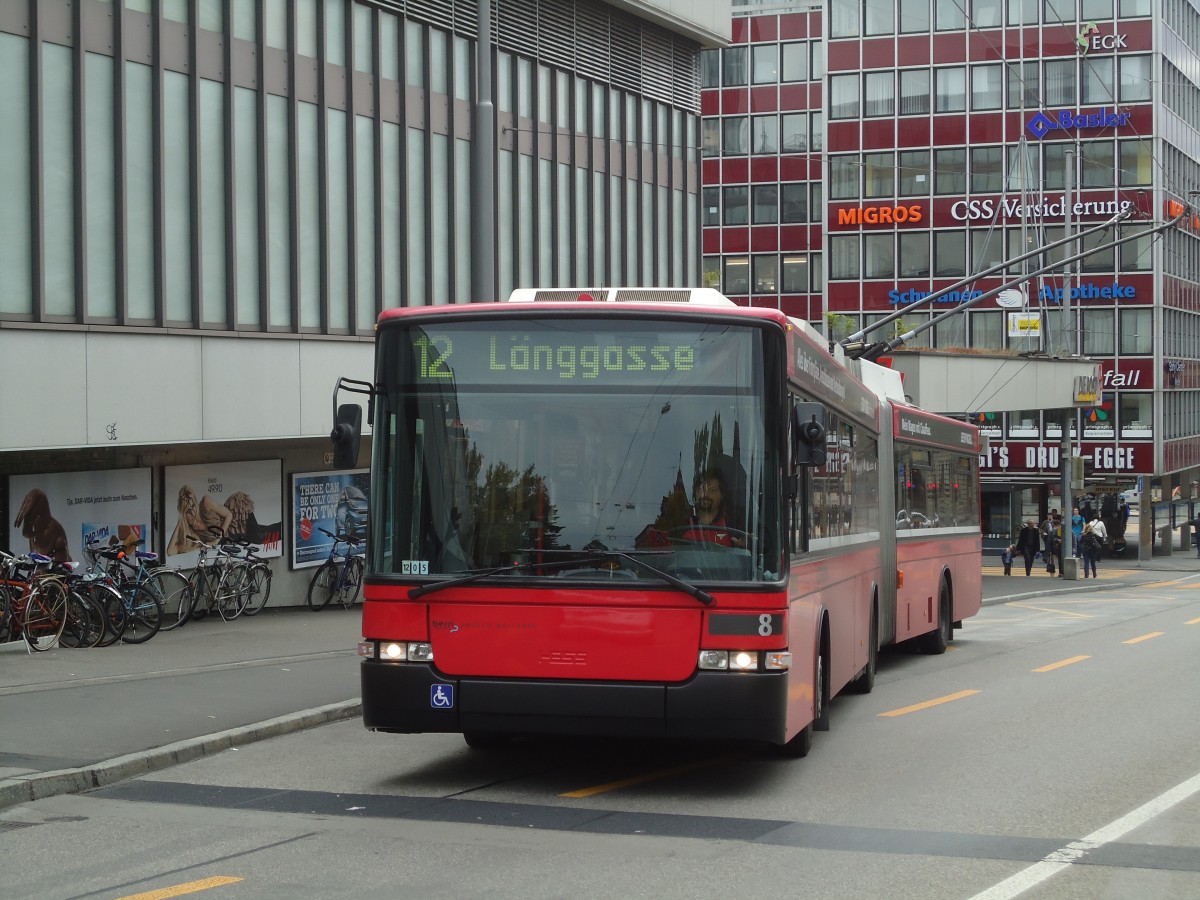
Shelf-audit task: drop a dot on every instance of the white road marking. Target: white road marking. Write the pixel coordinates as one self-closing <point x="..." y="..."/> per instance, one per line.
<point x="1061" y="859"/>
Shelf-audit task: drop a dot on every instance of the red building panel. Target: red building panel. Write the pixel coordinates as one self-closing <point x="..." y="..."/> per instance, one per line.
<point x="735" y="240"/>
<point x="764" y="169"/>
<point x="793" y="237"/>
<point x="843" y="57"/>
<point x="764" y="239"/>
<point x="913" y="50"/>
<point x="949" y="48"/>
<point x="987" y="128"/>
<point x="793" y="168"/>
<point x="710" y="103"/>
<point x="763" y="28"/>
<point x="949" y="130"/>
<point x="843" y="136"/>
<point x="879" y="54"/>
<point x="711" y="238"/>
<point x="735" y="170"/>
<point x="735" y="100"/>
<point x="793" y="26"/>
<point x="764" y="99"/>
<point x="740" y="33"/>
<point x="986" y="46"/>
<point x="912" y="131"/>
<point x="879" y="134"/>
<point x="793" y="97"/>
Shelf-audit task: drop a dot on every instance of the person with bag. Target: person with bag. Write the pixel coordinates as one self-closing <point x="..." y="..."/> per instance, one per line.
<point x="1028" y="544"/>
<point x="1090" y="545"/>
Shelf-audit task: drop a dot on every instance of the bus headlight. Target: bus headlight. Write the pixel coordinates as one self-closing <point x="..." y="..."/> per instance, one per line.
<point x="717" y="660"/>
<point x="743" y="661"/>
<point x="397" y="651"/>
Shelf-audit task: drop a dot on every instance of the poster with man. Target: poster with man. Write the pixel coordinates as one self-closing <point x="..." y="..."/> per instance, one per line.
<point x="207" y="504"/>
<point x="60" y="514"/>
<point x="334" y="502"/>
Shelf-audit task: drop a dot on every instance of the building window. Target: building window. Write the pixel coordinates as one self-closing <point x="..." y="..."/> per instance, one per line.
<point x="1097" y="83"/>
<point x="711" y="199"/>
<point x="766" y="273"/>
<point x="1137" y="255"/>
<point x="1130" y="8"/>
<point x="1136" y="163"/>
<point x="736" y="65"/>
<point x="815" y="204"/>
<point x="844" y="257"/>
<point x="1137" y="415"/>
<point x="1096" y="163"/>
<point x="880" y="254"/>
<point x="987" y="170"/>
<point x="816" y="132"/>
<point x="949" y="15"/>
<point x="1135" y="78"/>
<point x="987" y="330"/>
<point x="950" y="171"/>
<point x="816" y="62"/>
<point x="843" y="97"/>
<point x="1097" y="9"/>
<point x="735" y="136"/>
<point x="913" y="173"/>
<point x="914" y="92"/>
<point x="987" y="248"/>
<point x="914" y="17"/>
<point x="986" y="13"/>
<point x="1059" y="11"/>
<point x="1023" y="12"/>
<point x="795" y="274"/>
<point x="880" y="90"/>
<point x="987" y="88"/>
<point x="736" y="199"/>
<point x="710" y="137"/>
<point x="737" y="275"/>
<point x="795" y="61"/>
<point x="766" y="204"/>
<point x="1060" y="83"/>
<point x="1100" y="260"/>
<point x="765" y="130"/>
<point x="914" y="254"/>
<point x="951" y="90"/>
<point x="950" y="254"/>
<point x="951" y="332"/>
<point x="1054" y="162"/>
<point x="1022" y="85"/>
<point x="710" y="68"/>
<point x="793" y="203"/>
<point x="765" y="63"/>
<point x="844" y="172"/>
<point x="843" y="18"/>
<point x="879" y="174"/>
<point x="879" y="17"/>
<point x="1097" y="327"/>
<point x="795" y="132"/>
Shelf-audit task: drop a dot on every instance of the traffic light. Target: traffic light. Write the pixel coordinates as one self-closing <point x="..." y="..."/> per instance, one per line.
<point x="347" y="430"/>
<point x="808" y="434"/>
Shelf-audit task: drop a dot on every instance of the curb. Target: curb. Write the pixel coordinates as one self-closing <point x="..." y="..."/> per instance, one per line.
<point x="38" y="786"/>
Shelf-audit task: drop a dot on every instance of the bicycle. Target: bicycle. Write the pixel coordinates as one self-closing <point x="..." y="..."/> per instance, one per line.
<point x="339" y="576"/>
<point x="218" y="585"/>
<point x="34" y="600"/>
<point x="257" y="580"/>
<point x="166" y="584"/>
<point x="143" y="610"/>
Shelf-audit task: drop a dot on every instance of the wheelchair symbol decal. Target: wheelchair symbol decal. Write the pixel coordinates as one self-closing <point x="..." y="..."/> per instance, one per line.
<point x="441" y="696"/>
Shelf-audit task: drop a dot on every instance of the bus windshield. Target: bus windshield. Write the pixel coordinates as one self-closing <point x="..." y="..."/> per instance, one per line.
<point x="561" y="446"/>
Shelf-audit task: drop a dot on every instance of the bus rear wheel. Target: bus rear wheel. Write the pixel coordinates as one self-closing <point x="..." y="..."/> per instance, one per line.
<point x="936" y="641"/>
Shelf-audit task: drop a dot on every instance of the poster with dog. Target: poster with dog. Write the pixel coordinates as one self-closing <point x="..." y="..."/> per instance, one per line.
<point x="207" y="504"/>
<point x="60" y="514"/>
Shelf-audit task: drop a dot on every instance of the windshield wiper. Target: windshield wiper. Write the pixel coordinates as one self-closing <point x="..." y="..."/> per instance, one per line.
<point x="601" y="552"/>
<point x="588" y="552"/>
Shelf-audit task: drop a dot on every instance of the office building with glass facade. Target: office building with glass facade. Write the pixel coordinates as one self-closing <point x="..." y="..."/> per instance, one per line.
<point x="208" y="202"/>
<point x="860" y="155"/>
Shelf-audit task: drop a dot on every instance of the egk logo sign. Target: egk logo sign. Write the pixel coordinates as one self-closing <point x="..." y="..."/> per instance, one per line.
<point x="1090" y="38"/>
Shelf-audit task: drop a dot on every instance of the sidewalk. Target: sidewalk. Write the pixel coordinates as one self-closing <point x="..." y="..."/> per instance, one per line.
<point x="1110" y="573"/>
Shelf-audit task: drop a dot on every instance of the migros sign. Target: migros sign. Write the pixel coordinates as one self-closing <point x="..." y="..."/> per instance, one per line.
<point x="881" y="215"/>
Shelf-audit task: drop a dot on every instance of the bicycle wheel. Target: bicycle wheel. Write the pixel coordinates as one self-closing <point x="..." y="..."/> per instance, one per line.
<point x="145" y="615"/>
<point x="85" y="622"/>
<point x="45" y="615"/>
<point x="351" y="582"/>
<point x="169" y="586"/>
<point x="201" y="586"/>
<point x="258" y="589"/>
<point x="230" y="598"/>
<point x="6" y="634"/>
<point x="112" y="607"/>
<point x="323" y="585"/>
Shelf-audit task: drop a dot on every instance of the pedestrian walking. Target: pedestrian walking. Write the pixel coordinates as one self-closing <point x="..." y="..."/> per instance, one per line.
<point x="1048" y="533"/>
<point x="1028" y="544"/>
<point x="1076" y="531"/>
<point x="1090" y="545"/>
<point x="1007" y="555"/>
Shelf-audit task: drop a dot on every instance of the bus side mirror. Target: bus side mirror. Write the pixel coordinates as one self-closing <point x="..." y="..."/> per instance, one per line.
<point x="347" y="431"/>
<point x="808" y="434"/>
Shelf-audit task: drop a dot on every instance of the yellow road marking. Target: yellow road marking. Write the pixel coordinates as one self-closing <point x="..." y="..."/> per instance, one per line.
<point x="1061" y="663"/>
<point x="1193" y="622"/>
<point x="917" y="707"/>
<point x="190" y="887"/>
<point x="1061" y="612"/>
<point x="649" y="776"/>
<point x="1144" y="637"/>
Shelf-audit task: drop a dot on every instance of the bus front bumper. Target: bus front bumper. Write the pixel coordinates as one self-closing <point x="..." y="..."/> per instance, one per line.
<point x="411" y="698"/>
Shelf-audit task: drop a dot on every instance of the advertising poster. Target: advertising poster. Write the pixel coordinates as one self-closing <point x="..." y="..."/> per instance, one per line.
<point x="209" y="503"/>
<point x="334" y="501"/>
<point x="60" y="514"/>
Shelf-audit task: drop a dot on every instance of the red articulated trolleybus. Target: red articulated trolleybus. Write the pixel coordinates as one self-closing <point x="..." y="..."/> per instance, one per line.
<point x="648" y="513"/>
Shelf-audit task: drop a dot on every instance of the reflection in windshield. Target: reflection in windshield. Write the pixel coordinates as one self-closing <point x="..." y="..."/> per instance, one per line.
<point x="668" y="467"/>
